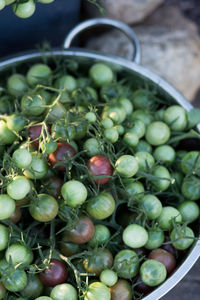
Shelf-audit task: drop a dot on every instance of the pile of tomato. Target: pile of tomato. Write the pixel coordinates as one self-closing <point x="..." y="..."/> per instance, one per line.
<point x="98" y="194"/>
<point x="23" y="8"/>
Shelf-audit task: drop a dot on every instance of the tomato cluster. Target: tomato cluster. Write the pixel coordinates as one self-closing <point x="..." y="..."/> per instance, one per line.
<point x="98" y="199"/>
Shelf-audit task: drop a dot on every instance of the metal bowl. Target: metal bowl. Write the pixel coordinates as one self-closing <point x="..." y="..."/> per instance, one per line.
<point x="138" y="73"/>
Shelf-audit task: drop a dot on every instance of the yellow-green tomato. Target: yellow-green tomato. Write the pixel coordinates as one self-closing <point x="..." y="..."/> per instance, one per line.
<point x="2" y="4"/>
<point x="108" y="277"/>
<point x="145" y="161"/>
<point x="101" y="207"/>
<point x="126" y="264"/>
<point x="101" y="74"/>
<point x="4" y="234"/>
<point x="167" y="216"/>
<point x="157" y="133"/>
<point x="135" y="236"/>
<point x="19" y="187"/>
<point x="17" y="85"/>
<point x="126" y="166"/>
<point x="19" y="254"/>
<point x="151" y="206"/>
<point x="38" y="167"/>
<point x="175" y="116"/>
<point x="22" y="158"/>
<point x="7" y="206"/>
<point x="64" y="291"/>
<point x="182" y="237"/>
<point x="44" y="208"/>
<point x="97" y="291"/>
<point x="100" y="237"/>
<point x="163" y="180"/>
<point x="24" y="10"/>
<point x="153" y="272"/>
<point x="74" y="193"/>
<point x="38" y="73"/>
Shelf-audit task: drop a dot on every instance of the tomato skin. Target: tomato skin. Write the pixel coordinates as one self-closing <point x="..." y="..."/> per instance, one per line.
<point x="157" y="133"/>
<point x="56" y="273"/>
<point x="44" y="209"/>
<point x="74" y="193"/>
<point x="108" y="277"/>
<point x="64" y="291"/>
<point x="121" y="290"/>
<point x="155" y="238"/>
<point x="164" y="182"/>
<point x="18" y="188"/>
<point x="34" y="133"/>
<point x="189" y="211"/>
<point x="100" y="165"/>
<point x="4" y="233"/>
<point x="38" y="167"/>
<point x="97" y="291"/>
<point x="34" y="287"/>
<point x="164" y="257"/>
<point x="24" y="10"/>
<point x="126" y="264"/>
<point x="175" y="116"/>
<point x="53" y="186"/>
<point x="16" y="122"/>
<point x="153" y="272"/>
<point x="100" y="260"/>
<point x="16" y="84"/>
<point x="135" y="236"/>
<point x="62" y="150"/>
<point x="38" y="73"/>
<point x="22" y="158"/>
<point x="191" y="163"/>
<point x="81" y="233"/>
<point x="101" y="207"/>
<point x="7" y="206"/>
<point x="152" y="206"/>
<point x="126" y="166"/>
<point x="141" y="287"/>
<point x="168" y="213"/>
<point x="19" y="254"/>
<point x="16" y="281"/>
<point x="145" y="161"/>
<point x="190" y="188"/>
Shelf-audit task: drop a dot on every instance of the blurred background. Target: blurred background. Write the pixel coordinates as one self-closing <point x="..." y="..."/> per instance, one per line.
<point x="169" y="34"/>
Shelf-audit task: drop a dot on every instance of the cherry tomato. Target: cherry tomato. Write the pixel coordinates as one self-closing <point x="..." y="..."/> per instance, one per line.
<point x="2" y="291"/>
<point x="101" y="74"/>
<point x="191" y="163"/>
<point x="81" y="233"/>
<point x="145" y="161"/>
<point x="130" y="139"/>
<point x="126" y="166"/>
<point x="116" y="113"/>
<point x="97" y="291"/>
<point x="101" y="207"/>
<point x="56" y="273"/>
<point x="74" y="193"/>
<point x="38" y="73"/>
<point x="38" y="167"/>
<point x="164" y="154"/>
<point x="100" y="237"/>
<point x="53" y="186"/>
<point x="100" y="260"/>
<point x="34" y="133"/>
<point x="7" y="206"/>
<point x="16" y="216"/>
<point x="127" y="105"/>
<point x="100" y="165"/>
<point x="164" y="179"/>
<point x="126" y="264"/>
<point x="18" y="188"/>
<point x="17" y="85"/>
<point x="189" y="211"/>
<point x="33" y="105"/>
<point x="67" y="82"/>
<point x="182" y="238"/>
<point x="157" y="133"/>
<point x="19" y="253"/>
<point x="22" y="158"/>
<point x="6" y="135"/>
<point x="190" y="188"/>
<point x="135" y="190"/>
<point x="121" y="290"/>
<point x="141" y="287"/>
<point x="68" y="248"/>
<point x="143" y="116"/>
<point x="24" y="10"/>
<point x="175" y="116"/>
<point x="92" y="147"/>
<point x="4" y="234"/>
<point x="164" y="257"/>
<point x="151" y="206"/>
<point x="108" y="277"/>
<point x="143" y="146"/>
<point x="44" y="208"/>
<point x="64" y="291"/>
<point x="63" y="150"/>
<point x="34" y="287"/>
<point x="16" y="281"/>
<point x="153" y="272"/>
<point x="135" y="236"/>
<point x="155" y="238"/>
<point x="138" y="128"/>
<point x="168" y="214"/>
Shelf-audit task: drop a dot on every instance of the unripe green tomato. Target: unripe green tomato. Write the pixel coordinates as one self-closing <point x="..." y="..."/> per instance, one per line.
<point x="120" y="129"/>
<point x="2" y="5"/>
<point x="127" y="105"/>
<point x="145" y="161"/>
<point x="175" y="116"/>
<point x="116" y="113"/>
<point x="152" y="206"/>
<point x="153" y="272"/>
<point x="18" y="188"/>
<point x="111" y="134"/>
<point x="137" y="127"/>
<point x="24" y="10"/>
<point x="142" y="115"/>
<point x="107" y="123"/>
<point x="143" y="146"/>
<point x="6" y="135"/>
<point x="101" y="74"/>
<point x="108" y="277"/>
<point x="97" y="291"/>
<point x="4" y="234"/>
<point x="9" y="1"/>
<point x="135" y="190"/>
<point x="100" y="237"/>
<point x="16" y="122"/>
<point x="49" y="147"/>
<point x="157" y="133"/>
<point x="17" y="85"/>
<point x="167" y="216"/>
<point x="19" y="254"/>
<point x="165" y="154"/>
<point x="45" y="1"/>
<point x="126" y="166"/>
<point x="37" y="169"/>
<point x="33" y="105"/>
<point x="34" y="287"/>
<point x="155" y="239"/>
<point x="190" y="188"/>
<point x="44" y="208"/>
<point x="101" y="206"/>
<point x="135" y="236"/>
<point x="22" y="158"/>
<point x="67" y="82"/>
<point x="17" y="275"/>
<point x="130" y="139"/>
<point x="91" y="117"/>
<point x="38" y="74"/>
<point x="164" y="178"/>
<point x="7" y="206"/>
<point x="64" y="291"/>
<point x="190" y="163"/>
<point x="189" y="211"/>
<point x="74" y="193"/>
<point x="126" y="264"/>
<point x="182" y="238"/>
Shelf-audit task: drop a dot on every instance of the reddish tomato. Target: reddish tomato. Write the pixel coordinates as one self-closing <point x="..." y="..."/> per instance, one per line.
<point x="34" y="133"/>
<point x="164" y="257"/>
<point x="81" y="233"/>
<point x="16" y="216"/>
<point x="54" y="274"/>
<point x="59" y="155"/>
<point x="100" y="165"/>
<point x="53" y="186"/>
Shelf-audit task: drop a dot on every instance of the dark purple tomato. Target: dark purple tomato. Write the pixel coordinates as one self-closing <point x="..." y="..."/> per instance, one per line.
<point x="63" y="150"/>
<point x="100" y="165"/>
<point x="34" y="133"/>
<point x="121" y="290"/>
<point x="53" y="186"/>
<point x="82" y="232"/>
<point x="170" y="248"/>
<point x="141" y="287"/>
<point x="100" y="260"/>
<point x="68" y="248"/>
<point x="54" y="274"/>
<point x="164" y="257"/>
<point x="16" y="216"/>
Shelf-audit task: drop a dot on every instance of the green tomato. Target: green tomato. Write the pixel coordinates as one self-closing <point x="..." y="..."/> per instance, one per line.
<point x="143" y="116"/>
<point x="4" y="234"/>
<point x="34" y="287"/>
<point x="38" y="74"/>
<point x="74" y="193"/>
<point x="122" y="290"/>
<point x="143" y="99"/>
<point x="101" y="207"/>
<point x="67" y="82"/>
<point x="33" y="105"/>
<point x="38" y="167"/>
<point x="100" y="237"/>
<point x="137" y="127"/>
<point x="191" y="163"/>
<point x="108" y="277"/>
<point x="182" y="238"/>
<point x="7" y="207"/>
<point x="57" y="112"/>
<point x="24" y="10"/>
<point x="143" y="146"/>
<point x="155" y="238"/>
<point x="101" y="74"/>
<point x="165" y="154"/>
<point x="100" y="260"/>
<point x="111" y="134"/>
<point x="18" y="188"/>
<point x="7" y="137"/>
<point x="2" y="5"/>
<point x="190" y="188"/>
<point x="91" y="117"/>
<point x="130" y="139"/>
<point x="49" y="147"/>
<point x="16" y="281"/>
<point x="64" y="291"/>
<point x="164" y="178"/>
<point x="44" y="208"/>
<point x="19" y="254"/>
<point x="107" y="123"/>
<point x="127" y="105"/>
<point x="175" y="116"/>
<point x="120" y="129"/>
<point x="126" y="264"/>
<point x="16" y="122"/>
<point x="168" y="214"/>
<point x="153" y="272"/>
<point x="135" y="236"/>
<point x="157" y="133"/>
<point x="189" y="211"/>
<point x="93" y="147"/>
<point x="5" y="104"/>
<point x="145" y="161"/>
<point x="17" y="85"/>
<point x="45" y="1"/>
<point x="135" y="190"/>
<point x="97" y="291"/>
<point x="126" y="166"/>
<point x="152" y="206"/>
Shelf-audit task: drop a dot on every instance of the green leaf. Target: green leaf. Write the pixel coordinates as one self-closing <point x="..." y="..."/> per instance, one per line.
<point x="193" y="117"/>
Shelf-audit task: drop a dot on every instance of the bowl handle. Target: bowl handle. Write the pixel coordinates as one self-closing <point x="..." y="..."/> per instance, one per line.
<point x="110" y="22"/>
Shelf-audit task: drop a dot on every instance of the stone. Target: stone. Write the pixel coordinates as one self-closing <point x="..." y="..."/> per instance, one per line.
<point x="128" y="11"/>
<point x="170" y="49"/>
